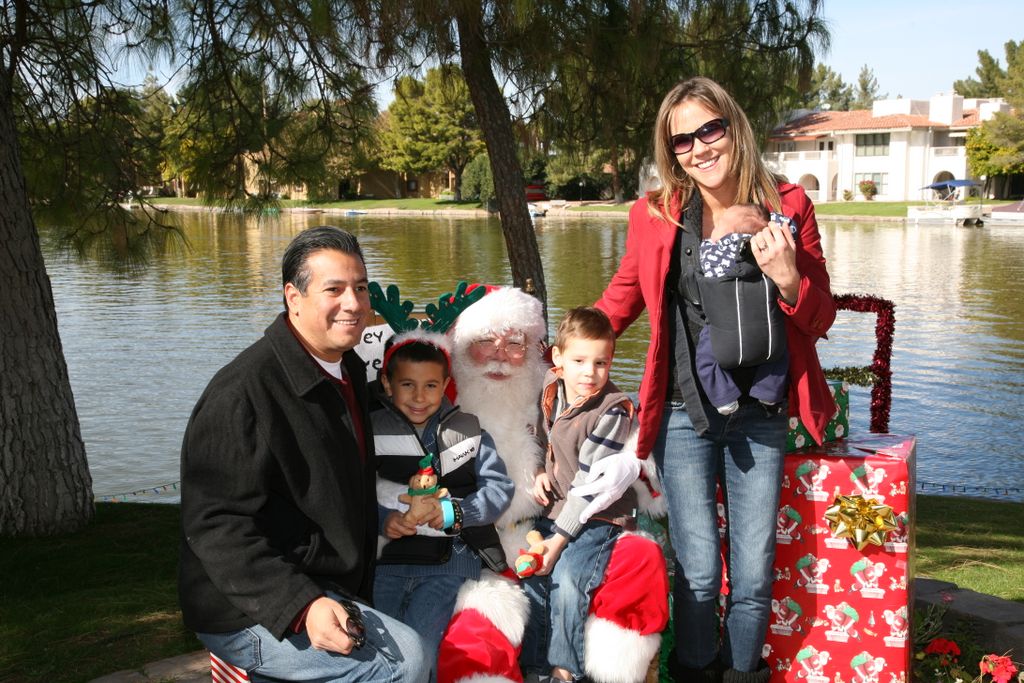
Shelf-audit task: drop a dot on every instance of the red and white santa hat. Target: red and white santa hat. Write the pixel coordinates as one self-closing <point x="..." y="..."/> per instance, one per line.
<point x="623" y="631"/>
<point x="418" y="335"/>
<point x="484" y="637"/>
<point x="501" y="310"/>
<point x="628" y="612"/>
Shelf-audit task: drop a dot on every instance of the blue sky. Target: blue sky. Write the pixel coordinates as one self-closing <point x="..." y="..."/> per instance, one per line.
<point x="917" y="49"/>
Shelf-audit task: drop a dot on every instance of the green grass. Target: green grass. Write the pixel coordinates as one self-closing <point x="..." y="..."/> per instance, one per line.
<point x="883" y="209"/>
<point x="610" y="208"/>
<point x="411" y="203"/>
<point x="76" y="607"/>
<point x="975" y="544"/>
<point x="826" y="209"/>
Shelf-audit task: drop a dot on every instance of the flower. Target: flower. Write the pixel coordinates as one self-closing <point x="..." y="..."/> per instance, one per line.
<point x="941" y="646"/>
<point x="1001" y="668"/>
<point x="939" y="659"/>
<point x="947" y="650"/>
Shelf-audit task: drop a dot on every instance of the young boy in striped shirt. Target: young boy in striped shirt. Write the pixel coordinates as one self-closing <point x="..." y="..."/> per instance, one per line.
<point x="586" y="418"/>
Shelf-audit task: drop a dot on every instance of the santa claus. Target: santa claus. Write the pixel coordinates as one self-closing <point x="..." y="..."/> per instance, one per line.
<point x="498" y="367"/>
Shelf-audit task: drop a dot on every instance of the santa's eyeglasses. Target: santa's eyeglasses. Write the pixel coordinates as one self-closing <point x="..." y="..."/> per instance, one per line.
<point x="489" y="347"/>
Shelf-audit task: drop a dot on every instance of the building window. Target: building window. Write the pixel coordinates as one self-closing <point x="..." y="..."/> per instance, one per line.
<point x="781" y="147"/>
<point x="873" y="145"/>
<point x="881" y="181"/>
<point x="826" y="146"/>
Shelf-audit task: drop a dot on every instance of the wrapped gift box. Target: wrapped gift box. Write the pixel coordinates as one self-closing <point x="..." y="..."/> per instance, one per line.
<point x="841" y="614"/>
<point x="837" y="428"/>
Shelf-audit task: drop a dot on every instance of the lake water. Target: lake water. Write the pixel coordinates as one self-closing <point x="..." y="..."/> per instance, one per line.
<point x="140" y="348"/>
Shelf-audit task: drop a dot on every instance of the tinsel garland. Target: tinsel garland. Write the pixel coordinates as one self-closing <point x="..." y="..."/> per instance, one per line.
<point x="881" y="391"/>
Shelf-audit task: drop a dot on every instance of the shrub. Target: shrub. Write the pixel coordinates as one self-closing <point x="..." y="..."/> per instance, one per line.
<point x="847" y="195"/>
<point x="868" y="189"/>
<point x="477" y="182"/>
<point x="579" y="187"/>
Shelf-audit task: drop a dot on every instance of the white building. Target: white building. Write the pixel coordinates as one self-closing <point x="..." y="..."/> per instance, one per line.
<point x="900" y="144"/>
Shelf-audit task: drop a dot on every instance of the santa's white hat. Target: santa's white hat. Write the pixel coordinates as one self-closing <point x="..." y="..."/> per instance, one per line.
<point x="503" y="309"/>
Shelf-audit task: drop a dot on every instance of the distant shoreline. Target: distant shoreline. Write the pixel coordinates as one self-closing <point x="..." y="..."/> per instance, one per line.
<point x="553" y="212"/>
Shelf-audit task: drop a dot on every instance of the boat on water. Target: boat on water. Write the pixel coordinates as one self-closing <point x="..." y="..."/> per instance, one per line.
<point x="536" y="211"/>
<point x="961" y="214"/>
<point x="1010" y="214"/>
<point x="944" y="204"/>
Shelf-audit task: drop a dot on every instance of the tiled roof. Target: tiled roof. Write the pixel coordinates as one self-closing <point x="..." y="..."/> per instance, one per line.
<point x="971" y="117"/>
<point x="825" y="122"/>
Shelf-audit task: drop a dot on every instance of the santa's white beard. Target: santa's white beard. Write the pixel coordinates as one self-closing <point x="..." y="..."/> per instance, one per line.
<point x="509" y="410"/>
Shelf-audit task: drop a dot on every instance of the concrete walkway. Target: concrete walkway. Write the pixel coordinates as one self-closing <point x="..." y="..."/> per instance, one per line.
<point x="190" y="668"/>
<point x="999" y="624"/>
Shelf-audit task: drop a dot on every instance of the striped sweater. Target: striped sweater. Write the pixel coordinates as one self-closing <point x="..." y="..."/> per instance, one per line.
<point x="590" y="429"/>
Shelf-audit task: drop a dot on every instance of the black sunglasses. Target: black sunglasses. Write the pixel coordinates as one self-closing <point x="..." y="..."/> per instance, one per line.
<point x="712" y="131"/>
<point x="354" y="628"/>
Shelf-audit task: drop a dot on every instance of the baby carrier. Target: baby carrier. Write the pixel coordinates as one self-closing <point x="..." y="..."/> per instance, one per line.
<point x="742" y="313"/>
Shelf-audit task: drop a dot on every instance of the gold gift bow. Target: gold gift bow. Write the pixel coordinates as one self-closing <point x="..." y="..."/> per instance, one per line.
<point x="862" y="520"/>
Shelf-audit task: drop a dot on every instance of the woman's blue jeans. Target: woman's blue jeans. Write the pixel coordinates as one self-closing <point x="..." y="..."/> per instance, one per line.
<point x="743" y="451"/>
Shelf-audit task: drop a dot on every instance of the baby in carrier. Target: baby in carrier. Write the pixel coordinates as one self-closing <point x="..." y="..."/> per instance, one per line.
<point x="742" y="348"/>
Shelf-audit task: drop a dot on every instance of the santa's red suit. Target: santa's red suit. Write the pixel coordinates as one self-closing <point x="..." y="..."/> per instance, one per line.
<point x="628" y="610"/>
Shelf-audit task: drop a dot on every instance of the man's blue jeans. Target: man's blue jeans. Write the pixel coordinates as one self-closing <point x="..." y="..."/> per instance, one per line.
<point x="560" y="601"/>
<point x="393" y="653"/>
<point x="744" y="451"/>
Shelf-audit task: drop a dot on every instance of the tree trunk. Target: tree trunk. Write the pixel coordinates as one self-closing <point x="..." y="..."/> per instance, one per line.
<point x="457" y="182"/>
<point x="45" y="486"/>
<point x="616" y="178"/>
<point x="496" y="124"/>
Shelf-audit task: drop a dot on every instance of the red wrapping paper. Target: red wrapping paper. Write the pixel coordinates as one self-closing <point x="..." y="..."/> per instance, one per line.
<point x="841" y="615"/>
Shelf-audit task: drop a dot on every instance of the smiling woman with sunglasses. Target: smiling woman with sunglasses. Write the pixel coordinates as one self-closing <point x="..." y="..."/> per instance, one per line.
<point x="708" y="160"/>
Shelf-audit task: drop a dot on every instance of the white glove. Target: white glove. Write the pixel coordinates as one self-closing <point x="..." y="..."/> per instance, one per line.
<point x="607" y="480"/>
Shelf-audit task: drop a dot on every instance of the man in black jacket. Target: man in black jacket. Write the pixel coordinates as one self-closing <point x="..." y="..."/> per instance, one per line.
<point x="279" y="511"/>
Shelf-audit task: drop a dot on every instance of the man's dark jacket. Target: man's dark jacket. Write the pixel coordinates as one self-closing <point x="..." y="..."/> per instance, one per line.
<point x="276" y="504"/>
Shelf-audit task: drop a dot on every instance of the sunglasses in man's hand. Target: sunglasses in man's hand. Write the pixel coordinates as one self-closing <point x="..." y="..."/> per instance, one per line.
<point x="355" y="629"/>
